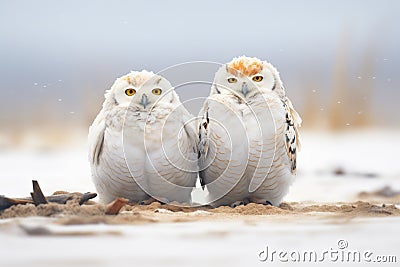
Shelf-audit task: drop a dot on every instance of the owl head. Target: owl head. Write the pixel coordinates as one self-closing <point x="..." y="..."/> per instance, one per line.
<point x="140" y="90"/>
<point x="246" y="77"/>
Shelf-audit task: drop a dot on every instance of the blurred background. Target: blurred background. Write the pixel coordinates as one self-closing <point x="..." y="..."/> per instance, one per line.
<point x="338" y="59"/>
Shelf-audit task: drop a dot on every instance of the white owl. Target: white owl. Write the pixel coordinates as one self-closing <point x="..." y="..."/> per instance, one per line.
<point x="142" y="144"/>
<point x="248" y="135"/>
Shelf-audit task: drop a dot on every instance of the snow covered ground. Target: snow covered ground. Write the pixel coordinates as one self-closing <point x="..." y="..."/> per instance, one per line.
<point x="368" y="161"/>
<point x="196" y="244"/>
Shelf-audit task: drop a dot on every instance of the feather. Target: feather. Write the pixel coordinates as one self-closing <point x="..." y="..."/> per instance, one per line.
<point x="293" y="122"/>
<point x="96" y="139"/>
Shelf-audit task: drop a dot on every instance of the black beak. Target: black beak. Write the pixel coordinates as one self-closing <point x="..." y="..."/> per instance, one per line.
<point x="144" y="101"/>
<point x="244" y="89"/>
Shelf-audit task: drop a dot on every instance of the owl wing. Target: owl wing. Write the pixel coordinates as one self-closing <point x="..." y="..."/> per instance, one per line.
<point x="203" y="141"/>
<point x="189" y="126"/>
<point x="292" y="141"/>
<point x="280" y="140"/>
<point x="96" y="138"/>
<point x="223" y="145"/>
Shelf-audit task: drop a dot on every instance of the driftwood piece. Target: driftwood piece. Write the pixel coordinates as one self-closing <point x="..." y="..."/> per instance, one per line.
<point x="6" y="202"/>
<point x="38" y="196"/>
<point x="114" y="207"/>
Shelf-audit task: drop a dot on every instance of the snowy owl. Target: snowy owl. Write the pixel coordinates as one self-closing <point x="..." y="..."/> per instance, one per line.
<point x="248" y="135"/>
<point x="143" y="143"/>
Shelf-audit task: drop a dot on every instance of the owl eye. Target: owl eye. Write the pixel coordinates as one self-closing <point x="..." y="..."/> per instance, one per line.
<point x="232" y="80"/>
<point x="258" y="78"/>
<point x="130" y="92"/>
<point x="156" y="91"/>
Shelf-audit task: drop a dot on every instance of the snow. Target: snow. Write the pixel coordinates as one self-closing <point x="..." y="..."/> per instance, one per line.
<point x="191" y="244"/>
<point x="55" y="170"/>
<point x="368" y="158"/>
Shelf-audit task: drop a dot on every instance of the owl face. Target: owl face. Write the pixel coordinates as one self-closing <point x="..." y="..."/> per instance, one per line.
<point x="246" y="77"/>
<point x="142" y="91"/>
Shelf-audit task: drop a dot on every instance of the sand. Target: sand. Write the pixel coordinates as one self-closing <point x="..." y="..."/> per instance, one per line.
<point x="93" y="213"/>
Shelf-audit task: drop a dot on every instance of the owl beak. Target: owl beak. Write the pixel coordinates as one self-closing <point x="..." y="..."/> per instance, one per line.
<point x="144" y="101"/>
<point x="245" y="90"/>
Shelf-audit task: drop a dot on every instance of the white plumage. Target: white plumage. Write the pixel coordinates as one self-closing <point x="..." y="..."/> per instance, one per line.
<point x="141" y="146"/>
<point x="248" y="135"/>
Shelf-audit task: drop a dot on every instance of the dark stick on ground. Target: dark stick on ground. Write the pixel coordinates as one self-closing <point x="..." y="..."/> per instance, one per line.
<point x="37" y="195"/>
<point x="86" y="196"/>
<point x="6" y="202"/>
<point x="38" y="198"/>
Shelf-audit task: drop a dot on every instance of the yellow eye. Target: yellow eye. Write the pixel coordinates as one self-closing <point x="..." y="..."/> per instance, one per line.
<point x="156" y="91"/>
<point x="232" y="80"/>
<point x="130" y="92"/>
<point x="258" y="78"/>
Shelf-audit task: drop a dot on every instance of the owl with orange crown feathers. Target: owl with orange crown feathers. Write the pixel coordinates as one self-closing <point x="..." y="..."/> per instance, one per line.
<point x="248" y="135"/>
